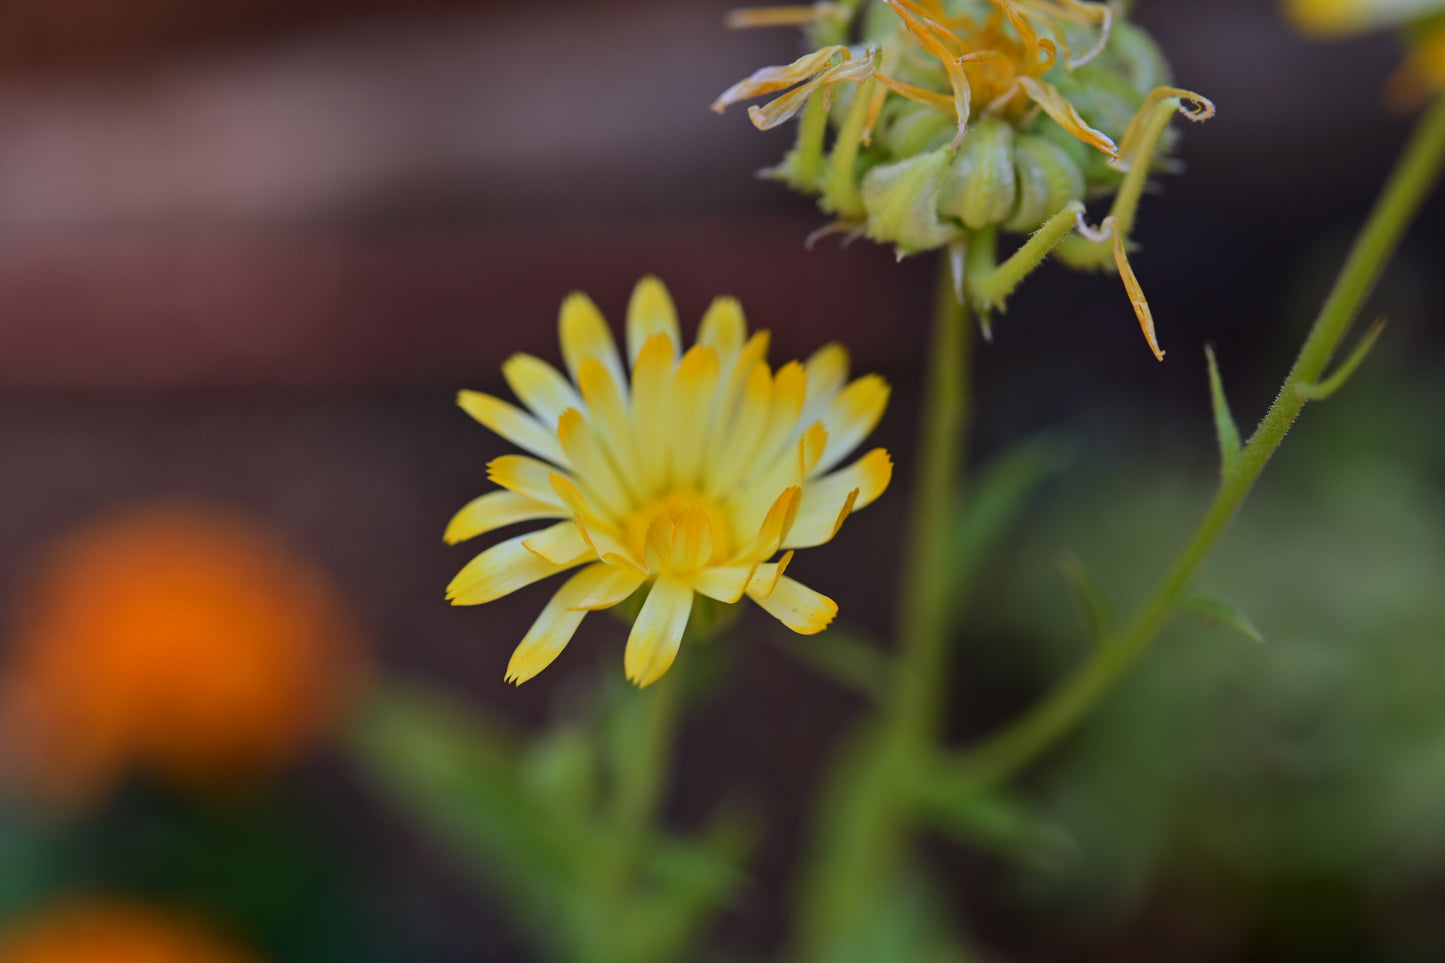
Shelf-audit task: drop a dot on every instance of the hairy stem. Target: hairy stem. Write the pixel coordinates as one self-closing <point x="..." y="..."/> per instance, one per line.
<point x="1004" y="754"/>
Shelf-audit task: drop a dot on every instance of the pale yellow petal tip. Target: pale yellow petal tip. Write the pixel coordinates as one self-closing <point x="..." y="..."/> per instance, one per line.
<point x="519" y="671"/>
<point x="818" y="620"/>
<point x="642" y="682"/>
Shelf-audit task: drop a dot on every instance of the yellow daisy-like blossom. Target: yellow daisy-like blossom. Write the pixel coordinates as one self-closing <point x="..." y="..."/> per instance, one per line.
<point x="690" y="476"/>
<point x="1343" y="17"/>
<point x="1423" y="21"/>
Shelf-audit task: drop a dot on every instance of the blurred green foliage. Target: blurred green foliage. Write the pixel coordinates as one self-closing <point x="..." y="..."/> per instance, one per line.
<point x="1289" y="792"/>
<point x="557" y="828"/>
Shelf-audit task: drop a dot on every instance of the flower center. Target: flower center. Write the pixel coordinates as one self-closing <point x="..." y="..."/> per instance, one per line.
<point x="672" y="506"/>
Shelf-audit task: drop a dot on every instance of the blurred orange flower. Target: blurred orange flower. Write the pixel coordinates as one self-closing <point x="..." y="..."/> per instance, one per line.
<point x="184" y="642"/>
<point x="113" y="933"/>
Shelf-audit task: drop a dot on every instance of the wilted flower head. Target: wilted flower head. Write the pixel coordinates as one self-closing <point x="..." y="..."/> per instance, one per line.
<point x="689" y="476"/>
<point x="954" y="120"/>
<point x="1423" y="22"/>
<point x="183" y="642"/>
<point x="113" y="933"/>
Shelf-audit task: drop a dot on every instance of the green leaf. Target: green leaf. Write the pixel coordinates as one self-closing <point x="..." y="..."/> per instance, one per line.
<point x="456" y="776"/>
<point x="995" y="501"/>
<point x="1217" y="612"/>
<point x="686" y="881"/>
<point x="1093" y="602"/>
<point x="845" y="656"/>
<point x="1224" y="426"/>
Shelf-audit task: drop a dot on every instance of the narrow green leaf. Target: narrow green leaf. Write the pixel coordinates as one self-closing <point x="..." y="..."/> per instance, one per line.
<point x="1224" y="426"/>
<point x="1218" y="612"/>
<point x="847" y="657"/>
<point x="1326" y="388"/>
<point x="455" y="776"/>
<point x="686" y="882"/>
<point x="1094" y="606"/>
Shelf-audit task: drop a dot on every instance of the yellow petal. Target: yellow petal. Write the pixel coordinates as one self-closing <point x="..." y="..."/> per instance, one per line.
<point x="869" y="474"/>
<point x="797" y="606"/>
<point x="818" y="522"/>
<point x="526" y="476"/>
<point x="606" y="399"/>
<point x="692" y="541"/>
<point x="827" y="372"/>
<point x="853" y="414"/>
<point x="726" y="583"/>
<point x="730" y="458"/>
<point x="609" y="547"/>
<point x="651" y="385"/>
<point x="555" y="627"/>
<point x="1063" y="113"/>
<point x="650" y="312"/>
<point x="513" y="424"/>
<point x="595" y="474"/>
<point x="561" y="544"/>
<point x="541" y="387"/>
<point x="657" y="544"/>
<point x="790" y="389"/>
<point x="500" y="570"/>
<point x="723" y="327"/>
<point x="657" y="633"/>
<point x="496" y="510"/>
<point x="786" y="107"/>
<point x="754" y="350"/>
<point x="810" y="451"/>
<point x="775" y="527"/>
<point x="767" y="80"/>
<point x="584" y="334"/>
<point x="765" y="577"/>
<point x="611" y="587"/>
<point x="690" y="412"/>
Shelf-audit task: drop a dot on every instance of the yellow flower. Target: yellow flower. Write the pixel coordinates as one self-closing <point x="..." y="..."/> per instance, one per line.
<point x="690" y="476"/>
<point x="1342" y="17"/>
<point x="1424" y="21"/>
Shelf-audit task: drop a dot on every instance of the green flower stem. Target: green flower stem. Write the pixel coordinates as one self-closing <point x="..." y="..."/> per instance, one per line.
<point x="1011" y="750"/>
<point x="925" y="598"/>
<point x="640" y="771"/>
<point x="866" y="815"/>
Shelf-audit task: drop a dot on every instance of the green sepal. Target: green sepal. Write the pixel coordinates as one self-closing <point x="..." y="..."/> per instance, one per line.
<point x="980" y="187"/>
<point x="902" y="203"/>
<point x="1224" y="427"/>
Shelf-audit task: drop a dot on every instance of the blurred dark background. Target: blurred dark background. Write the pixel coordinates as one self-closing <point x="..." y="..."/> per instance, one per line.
<point x="249" y="251"/>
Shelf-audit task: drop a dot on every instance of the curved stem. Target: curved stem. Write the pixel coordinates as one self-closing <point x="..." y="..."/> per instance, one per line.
<point x="1004" y="754"/>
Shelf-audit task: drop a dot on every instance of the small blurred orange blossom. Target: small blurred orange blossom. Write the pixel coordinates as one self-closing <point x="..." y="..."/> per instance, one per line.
<point x="184" y="642"/>
<point x="113" y="933"/>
